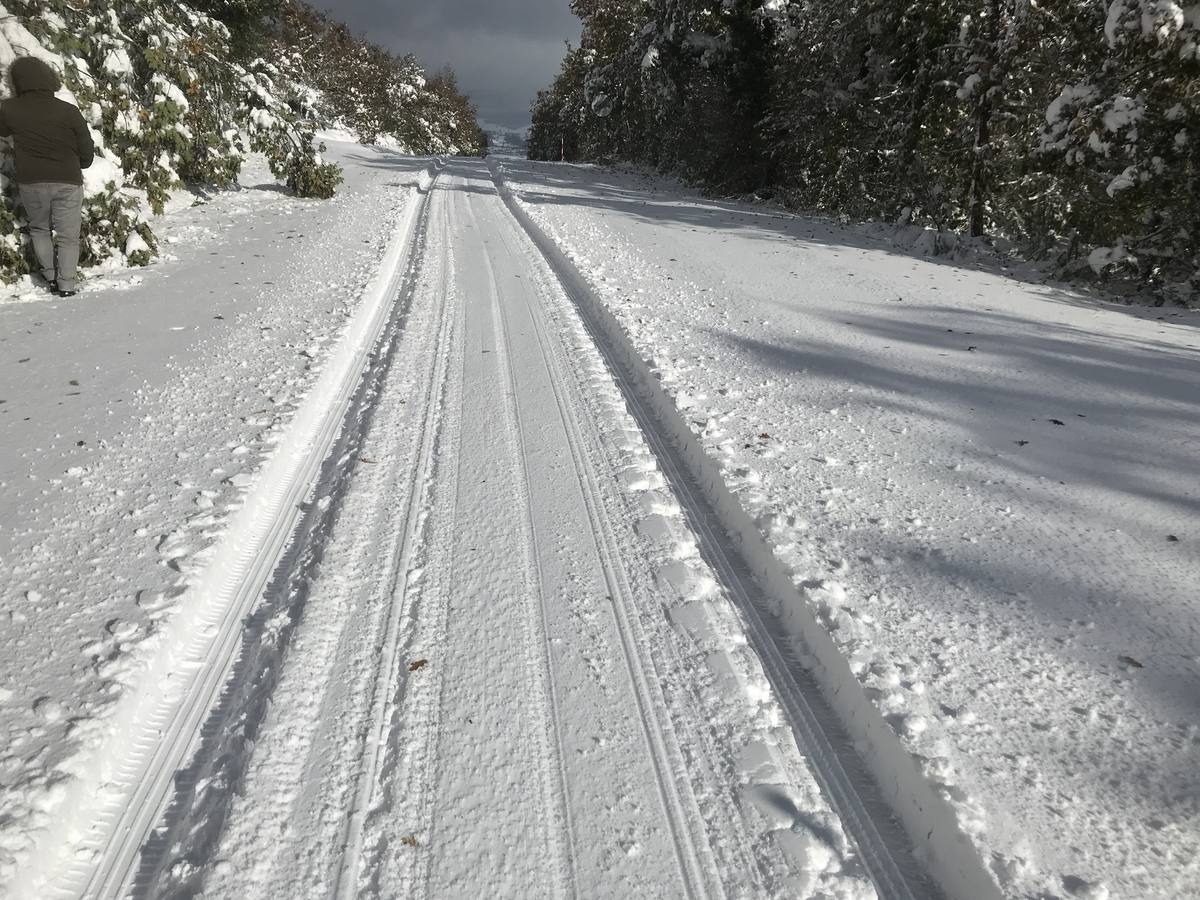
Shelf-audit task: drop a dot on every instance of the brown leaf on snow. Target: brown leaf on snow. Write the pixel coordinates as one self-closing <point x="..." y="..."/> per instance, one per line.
<point x="409" y="841"/>
<point x="417" y="665"/>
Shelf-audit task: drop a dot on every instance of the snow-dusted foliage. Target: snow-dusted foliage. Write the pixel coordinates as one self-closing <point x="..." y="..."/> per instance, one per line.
<point x="1064" y="126"/>
<point x="360" y="86"/>
<point x="1125" y="135"/>
<point x="166" y="103"/>
<point x="177" y="92"/>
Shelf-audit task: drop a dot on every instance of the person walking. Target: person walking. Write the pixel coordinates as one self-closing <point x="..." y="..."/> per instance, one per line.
<point x="52" y="146"/>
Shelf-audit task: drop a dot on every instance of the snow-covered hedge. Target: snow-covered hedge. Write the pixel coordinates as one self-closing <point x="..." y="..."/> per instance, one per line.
<point x="166" y="106"/>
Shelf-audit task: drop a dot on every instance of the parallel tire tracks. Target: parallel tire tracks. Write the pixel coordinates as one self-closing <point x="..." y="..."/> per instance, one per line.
<point x="680" y="810"/>
<point x="887" y="856"/>
<point x="153" y="732"/>
<point x="164" y="729"/>
<point x="404" y="806"/>
<point x="387" y="690"/>
<point x="556" y="803"/>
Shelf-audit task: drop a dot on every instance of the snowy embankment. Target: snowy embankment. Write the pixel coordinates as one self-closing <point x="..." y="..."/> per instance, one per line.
<point x="985" y="489"/>
<point x="138" y="419"/>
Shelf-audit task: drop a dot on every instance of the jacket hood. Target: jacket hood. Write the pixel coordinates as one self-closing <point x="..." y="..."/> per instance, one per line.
<point x="32" y="74"/>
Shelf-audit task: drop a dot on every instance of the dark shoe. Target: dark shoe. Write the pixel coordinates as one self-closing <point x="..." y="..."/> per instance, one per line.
<point x="52" y="287"/>
<point x="66" y="293"/>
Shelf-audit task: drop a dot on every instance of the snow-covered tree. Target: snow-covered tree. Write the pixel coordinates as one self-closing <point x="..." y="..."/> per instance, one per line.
<point x="1124" y="132"/>
<point x="1067" y="127"/>
<point x="360" y="86"/>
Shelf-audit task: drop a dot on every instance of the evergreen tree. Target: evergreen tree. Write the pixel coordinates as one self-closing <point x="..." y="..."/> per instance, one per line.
<point x="1065" y="126"/>
<point x="1124" y="134"/>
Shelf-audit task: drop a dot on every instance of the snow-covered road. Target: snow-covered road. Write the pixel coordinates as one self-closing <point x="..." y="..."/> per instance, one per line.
<point x="557" y="698"/>
<point x="544" y="544"/>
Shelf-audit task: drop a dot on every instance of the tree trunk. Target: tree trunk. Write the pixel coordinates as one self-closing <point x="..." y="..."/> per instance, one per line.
<point x="979" y="167"/>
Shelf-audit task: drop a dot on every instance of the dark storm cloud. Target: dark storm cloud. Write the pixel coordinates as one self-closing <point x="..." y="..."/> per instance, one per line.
<point x="504" y="51"/>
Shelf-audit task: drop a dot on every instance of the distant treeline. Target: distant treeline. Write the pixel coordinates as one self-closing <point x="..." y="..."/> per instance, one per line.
<point x="1068" y="127"/>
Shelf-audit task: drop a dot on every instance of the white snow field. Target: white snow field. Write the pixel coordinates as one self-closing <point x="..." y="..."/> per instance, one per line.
<point x="524" y="530"/>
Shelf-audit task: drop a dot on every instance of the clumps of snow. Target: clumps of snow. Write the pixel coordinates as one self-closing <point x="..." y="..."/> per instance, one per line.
<point x="1123" y="182"/>
<point x="1102" y="259"/>
<point x="48" y="709"/>
<point x="16" y="41"/>
<point x="136" y="244"/>
<point x="1062" y="113"/>
<point x="1123" y="113"/>
<point x="968" y="86"/>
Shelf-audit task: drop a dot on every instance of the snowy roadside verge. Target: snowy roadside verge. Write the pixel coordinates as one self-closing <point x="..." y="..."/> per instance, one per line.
<point x="1105" y="275"/>
<point x="930" y="822"/>
<point x="187" y="220"/>
<point x="74" y="733"/>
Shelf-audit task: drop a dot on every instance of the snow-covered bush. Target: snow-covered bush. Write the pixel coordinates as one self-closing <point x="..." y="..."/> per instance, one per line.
<point x="284" y="138"/>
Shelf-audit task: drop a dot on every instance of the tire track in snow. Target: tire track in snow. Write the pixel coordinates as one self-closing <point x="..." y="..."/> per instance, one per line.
<point x="94" y="847"/>
<point x="389" y="676"/>
<point x="187" y="836"/>
<point x="888" y="855"/>
<point x="680" y="810"/>
<point x="312" y="778"/>
<point x="400" y="818"/>
<point x="488" y="649"/>
<point x="542" y="664"/>
<point x="666" y="755"/>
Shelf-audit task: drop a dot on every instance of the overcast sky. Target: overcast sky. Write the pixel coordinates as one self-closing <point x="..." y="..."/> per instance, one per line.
<point x="504" y="51"/>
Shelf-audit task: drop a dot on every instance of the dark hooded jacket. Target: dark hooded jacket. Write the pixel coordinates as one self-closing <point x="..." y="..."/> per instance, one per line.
<point x="50" y="138"/>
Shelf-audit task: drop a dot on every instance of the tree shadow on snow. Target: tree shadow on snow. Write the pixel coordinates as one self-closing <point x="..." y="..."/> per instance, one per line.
<point x="1124" y="457"/>
<point x="657" y="201"/>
